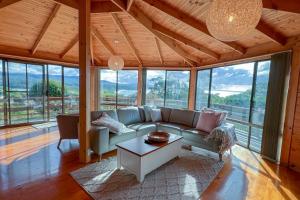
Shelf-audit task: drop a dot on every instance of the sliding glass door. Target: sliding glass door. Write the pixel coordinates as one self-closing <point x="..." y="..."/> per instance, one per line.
<point x="32" y="93"/>
<point x="36" y="91"/>
<point x="241" y="91"/>
<point x="54" y="91"/>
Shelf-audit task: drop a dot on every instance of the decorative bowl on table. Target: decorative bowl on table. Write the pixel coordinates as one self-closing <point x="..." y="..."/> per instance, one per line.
<point x="158" y="136"/>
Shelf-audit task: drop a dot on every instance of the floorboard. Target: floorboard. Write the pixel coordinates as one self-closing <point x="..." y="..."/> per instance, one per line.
<point x="31" y="167"/>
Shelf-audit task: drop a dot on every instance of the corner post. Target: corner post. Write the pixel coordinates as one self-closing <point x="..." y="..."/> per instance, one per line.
<point x="84" y="69"/>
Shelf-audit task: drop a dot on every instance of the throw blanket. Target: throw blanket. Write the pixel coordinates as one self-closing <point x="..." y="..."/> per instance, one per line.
<point x="225" y="133"/>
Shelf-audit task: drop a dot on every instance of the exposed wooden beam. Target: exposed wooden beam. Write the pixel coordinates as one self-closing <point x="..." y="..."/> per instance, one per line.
<point x="104" y="7"/>
<point x="269" y="31"/>
<point x="70" y="3"/>
<point x="45" y="28"/>
<point x="129" y="4"/>
<point x="262" y="51"/>
<point x="185" y="41"/>
<point x="84" y="79"/>
<point x="4" y="3"/>
<point x="100" y="39"/>
<point x="42" y="57"/>
<point x="192" y="22"/>
<point x="286" y="5"/>
<point x="126" y="37"/>
<point x="69" y="47"/>
<point x="147" y="23"/>
<point x="159" y="51"/>
<point x="121" y="4"/>
<point x="92" y="50"/>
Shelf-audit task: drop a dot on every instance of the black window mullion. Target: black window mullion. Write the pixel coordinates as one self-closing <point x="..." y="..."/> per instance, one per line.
<point x="209" y="89"/>
<point x="253" y="93"/>
<point x="165" y="89"/>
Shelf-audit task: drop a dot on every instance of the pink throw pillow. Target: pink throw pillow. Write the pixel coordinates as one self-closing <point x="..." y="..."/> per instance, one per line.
<point x="208" y="121"/>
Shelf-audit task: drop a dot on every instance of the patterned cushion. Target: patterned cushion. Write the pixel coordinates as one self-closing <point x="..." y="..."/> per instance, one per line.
<point x="208" y="121"/>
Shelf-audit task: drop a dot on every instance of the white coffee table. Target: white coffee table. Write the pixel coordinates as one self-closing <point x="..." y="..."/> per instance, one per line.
<point x="140" y="158"/>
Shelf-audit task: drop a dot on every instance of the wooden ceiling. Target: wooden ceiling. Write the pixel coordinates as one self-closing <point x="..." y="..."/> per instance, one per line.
<point x="148" y="33"/>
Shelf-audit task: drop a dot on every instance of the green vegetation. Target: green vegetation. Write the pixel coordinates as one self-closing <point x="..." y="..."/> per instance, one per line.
<point x="54" y="89"/>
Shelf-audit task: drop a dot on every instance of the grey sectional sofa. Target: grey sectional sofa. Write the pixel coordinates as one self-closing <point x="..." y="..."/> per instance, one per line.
<point x="176" y="121"/>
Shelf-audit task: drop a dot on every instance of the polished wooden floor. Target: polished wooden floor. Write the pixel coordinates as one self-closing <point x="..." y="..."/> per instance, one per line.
<point x="33" y="168"/>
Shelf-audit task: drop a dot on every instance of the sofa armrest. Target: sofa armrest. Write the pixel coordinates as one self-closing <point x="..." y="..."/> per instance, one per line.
<point x="99" y="139"/>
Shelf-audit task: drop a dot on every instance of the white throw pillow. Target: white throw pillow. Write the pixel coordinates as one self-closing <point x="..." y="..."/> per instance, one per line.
<point x="156" y="115"/>
<point x="147" y="110"/>
<point x="113" y="125"/>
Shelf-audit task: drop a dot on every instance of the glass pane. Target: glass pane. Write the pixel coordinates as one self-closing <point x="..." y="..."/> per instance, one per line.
<point x="1" y="95"/>
<point x="231" y="90"/>
<point x="242" y="133"/>
<point x="256" y="138"/>
<point x="127" y="87"/>
<point x="18" y="107"/>
<point x="177" y="89"/>
<point x="71" y="90"/>
<point x="203" y="78"/>
<point x="17" y="76"/>
<point x="54" y="90"/>
<point x="36" y="92"/>
<point x="155" y="87"/>
<point x="261" y="89"/>
<point x="108" y="80"/>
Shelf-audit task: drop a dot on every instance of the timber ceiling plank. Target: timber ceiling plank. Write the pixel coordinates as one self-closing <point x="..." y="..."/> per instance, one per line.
<point x="45" y="28"/>
<point x="126" y="37"/>
<point x="4" y="3"/>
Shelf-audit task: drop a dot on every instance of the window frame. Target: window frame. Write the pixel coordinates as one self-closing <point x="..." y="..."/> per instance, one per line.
<point x="115" y="105"/>
<point x="165" y="84"/>
<point x="6" y="91"/>
<point x="253" y="90"/>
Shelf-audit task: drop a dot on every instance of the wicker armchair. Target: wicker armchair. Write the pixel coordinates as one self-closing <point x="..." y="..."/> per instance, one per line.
<point x="67" y="126"/>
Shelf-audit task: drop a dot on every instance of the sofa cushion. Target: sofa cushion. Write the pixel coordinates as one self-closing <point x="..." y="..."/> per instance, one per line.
<point x="171" y="128"/>
<point x="184" y="117"/>
<point x="165" y="114"/>
<point x="142" y="114"/>
<point x="143" y="128"/>
<point x="129" y="115"/>
<point x="97" y="114"/>
<point x="196" y="117"/>
<point x="147" y="110"/>
<point x="127" y="134"/>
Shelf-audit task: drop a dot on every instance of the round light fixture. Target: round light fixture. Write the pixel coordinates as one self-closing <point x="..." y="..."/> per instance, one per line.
<point x="231" y="20"/>
<point x="115" y="63"/>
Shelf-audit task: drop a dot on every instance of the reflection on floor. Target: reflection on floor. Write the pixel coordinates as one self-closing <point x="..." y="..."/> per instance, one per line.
<point x="32" y="167"/>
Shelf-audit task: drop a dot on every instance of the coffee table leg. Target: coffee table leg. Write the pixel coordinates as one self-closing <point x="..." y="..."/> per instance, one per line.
<point x="118" y="158"/>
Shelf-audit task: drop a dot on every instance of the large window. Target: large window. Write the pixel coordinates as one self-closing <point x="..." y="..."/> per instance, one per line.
<point x="31" y="93"/>
<point x="117" y="88"/>
<point x="240" y="90"/>
<point x="167" y="88"/>
<point x="71" y="90"/>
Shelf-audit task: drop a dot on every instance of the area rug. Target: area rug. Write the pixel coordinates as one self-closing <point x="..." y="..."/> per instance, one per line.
<point x="185" y="177"/>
